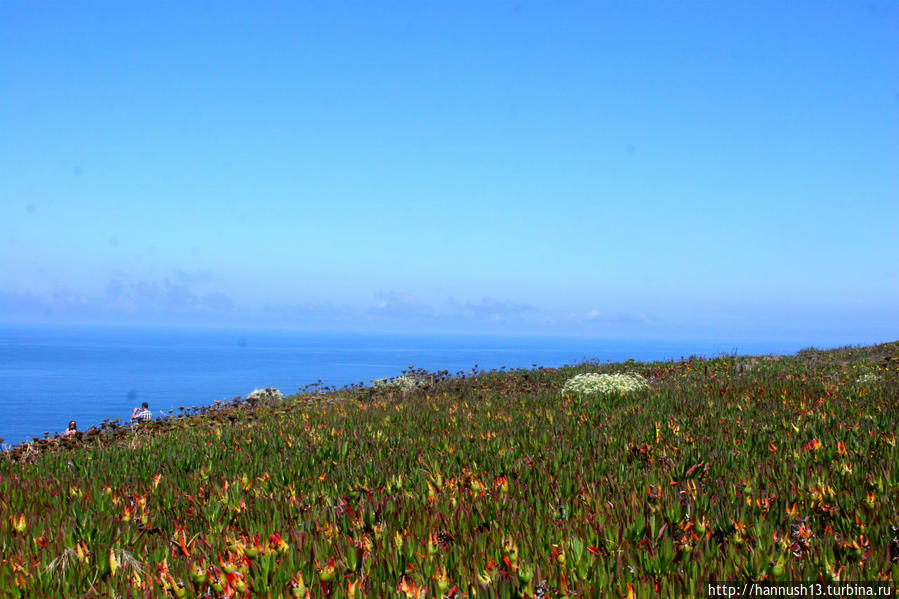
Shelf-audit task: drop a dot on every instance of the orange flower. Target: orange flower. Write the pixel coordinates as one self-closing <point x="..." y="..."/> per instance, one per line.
<point x="277" y="543"/>
<point x="297" y="585"/>
<point x="81" y="551"/>
<point x="411" y="589"/>
<point x="327" y="571"/>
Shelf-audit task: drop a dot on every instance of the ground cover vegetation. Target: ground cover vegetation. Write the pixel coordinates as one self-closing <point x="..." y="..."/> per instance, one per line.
<point x="487" y="484"/>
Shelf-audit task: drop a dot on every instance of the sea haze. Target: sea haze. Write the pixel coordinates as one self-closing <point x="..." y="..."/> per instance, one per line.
<point x="52" y="374"/>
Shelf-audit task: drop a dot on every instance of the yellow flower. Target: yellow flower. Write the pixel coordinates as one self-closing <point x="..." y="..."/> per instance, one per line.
<point x="113" y="562"/>
<point x="18" y="523"/>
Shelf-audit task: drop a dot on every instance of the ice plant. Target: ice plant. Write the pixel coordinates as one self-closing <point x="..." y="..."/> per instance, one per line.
<point x="18" y="523"/>
<point x="277" y="543"/>
<point x="491" y="478"/>
<point x="510" y="549"/>
<point x="298" y="586"/>
<point x="443" y="581"/>
<point x="411" y="589"/>
<point x="198" y="573"/>
<point x="81" y="551"/>
<point x="113" y="562"/>
<point x="326" y="572"/>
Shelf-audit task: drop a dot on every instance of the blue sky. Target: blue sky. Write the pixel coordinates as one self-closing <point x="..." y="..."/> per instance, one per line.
<point x="600" y="168"/>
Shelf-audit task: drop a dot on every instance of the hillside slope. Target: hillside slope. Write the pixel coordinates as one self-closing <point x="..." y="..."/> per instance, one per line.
<point x="492" y="484"/>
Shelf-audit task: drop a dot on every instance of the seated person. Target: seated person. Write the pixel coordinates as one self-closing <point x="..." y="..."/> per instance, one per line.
<point x="142" y="414"/>
<point x="73" y="428"/>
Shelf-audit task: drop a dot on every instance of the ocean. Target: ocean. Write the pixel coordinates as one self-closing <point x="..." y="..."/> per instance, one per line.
<point x="52" y="374"/>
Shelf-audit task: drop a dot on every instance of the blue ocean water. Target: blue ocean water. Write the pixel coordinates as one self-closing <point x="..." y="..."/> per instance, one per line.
<point x="52" y="374"/>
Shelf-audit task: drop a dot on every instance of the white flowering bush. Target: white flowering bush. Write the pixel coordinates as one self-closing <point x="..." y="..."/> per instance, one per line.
<point x="400" y="383"/>
<point x="867" y="379"/>
<point x="593" y="383"/>
<point x="267" y="394"/>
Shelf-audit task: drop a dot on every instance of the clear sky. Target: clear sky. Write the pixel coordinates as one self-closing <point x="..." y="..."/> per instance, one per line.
<point x="617" y="169"/>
